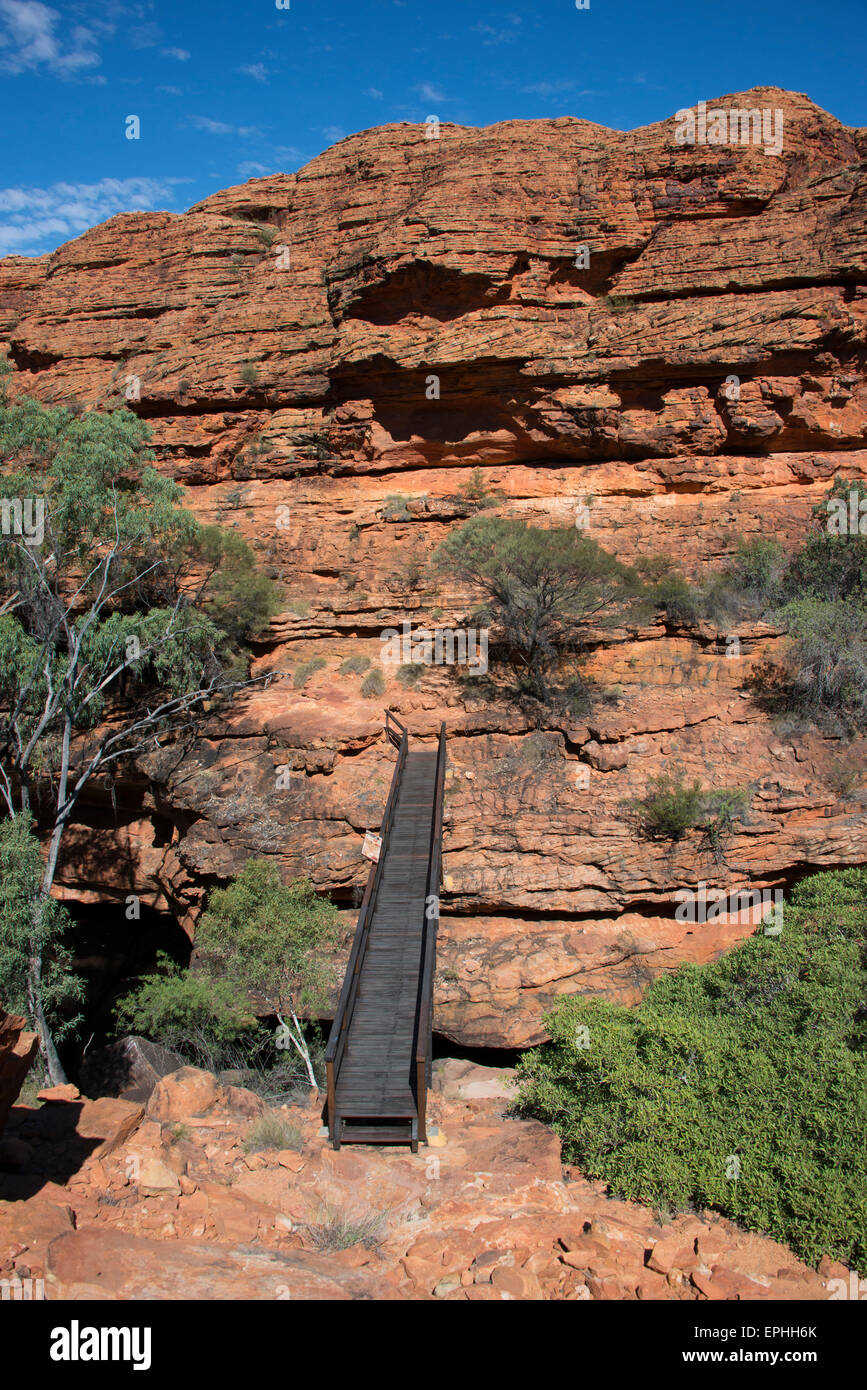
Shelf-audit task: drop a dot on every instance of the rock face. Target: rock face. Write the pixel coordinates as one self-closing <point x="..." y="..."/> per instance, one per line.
<point x="326" y="356"/>
<point x="17" y="1052"/>
<point x="183" y="1209"/>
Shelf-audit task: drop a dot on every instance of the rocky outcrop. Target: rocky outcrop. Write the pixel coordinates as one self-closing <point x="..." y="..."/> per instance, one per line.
<point x="182" y="1208"/>
<point x="17" y="1053"/>
<point x="326" y="356"/>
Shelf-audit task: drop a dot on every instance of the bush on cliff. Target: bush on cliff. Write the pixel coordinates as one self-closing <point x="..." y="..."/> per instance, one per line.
<point x="818" y="595"/>
<point x="671" y="806"/>
<point x="544" y="589"/>
<point x="740" y="1085"/>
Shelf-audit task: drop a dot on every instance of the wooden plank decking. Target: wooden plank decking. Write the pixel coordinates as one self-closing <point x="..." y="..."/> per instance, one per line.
<point x="374" y="1094"/>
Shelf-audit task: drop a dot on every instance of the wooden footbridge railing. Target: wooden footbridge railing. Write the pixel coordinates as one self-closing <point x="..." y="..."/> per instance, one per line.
<point x="379" y="1051"/>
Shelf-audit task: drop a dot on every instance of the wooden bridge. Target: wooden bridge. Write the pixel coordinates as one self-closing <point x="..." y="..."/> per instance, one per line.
<point x="379" y="1052"/>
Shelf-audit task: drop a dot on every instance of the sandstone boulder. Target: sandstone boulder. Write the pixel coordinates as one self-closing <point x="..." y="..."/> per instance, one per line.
<point x="183" y="1094"/>
<point x="99" y="1264"/>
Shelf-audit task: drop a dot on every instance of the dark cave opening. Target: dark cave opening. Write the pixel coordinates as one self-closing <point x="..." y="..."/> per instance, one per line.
<point x="111" y="951"/>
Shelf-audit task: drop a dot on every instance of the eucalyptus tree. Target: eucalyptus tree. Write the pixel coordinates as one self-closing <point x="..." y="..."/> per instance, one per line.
<point x="122" y="620"/>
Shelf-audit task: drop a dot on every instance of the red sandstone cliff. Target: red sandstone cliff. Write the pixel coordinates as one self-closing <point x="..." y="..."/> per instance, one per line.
<point x="284" y="334"/>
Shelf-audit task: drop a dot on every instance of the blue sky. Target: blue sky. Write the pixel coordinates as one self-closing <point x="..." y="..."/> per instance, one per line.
<point x="226" y="90"/>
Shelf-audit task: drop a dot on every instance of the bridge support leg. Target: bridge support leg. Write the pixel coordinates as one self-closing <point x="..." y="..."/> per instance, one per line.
<point x="414" y="1138"/>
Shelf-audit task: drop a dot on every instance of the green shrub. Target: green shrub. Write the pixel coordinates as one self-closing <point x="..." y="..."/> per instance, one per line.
<point x="394" y="508"/>
<point x="354" y="665"/>
<point x="669" y="807"/>
<point x="830" y="565"/>
<point x="739" y="1085"/>
<point x="373" y="684"/>
<point x="259" y="939"/>
<point x="757" y="571"/>
<point x="173" y="1004"/>
<point x="827" y="657"/>
<point x="475" y="493"/>
<point x="306" y="670"/>
<point x="249" y="374"/>
<point x="411" y="674"/>
<point x="546" y="589"/>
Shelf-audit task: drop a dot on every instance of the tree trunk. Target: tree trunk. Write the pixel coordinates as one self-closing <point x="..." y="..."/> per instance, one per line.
<point x="299" y="1042"/>
<point x="56" y="1073"/>
<point x="54" y="1066"/>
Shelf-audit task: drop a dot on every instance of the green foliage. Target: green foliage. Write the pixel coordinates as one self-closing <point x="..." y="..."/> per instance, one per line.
<point x="659" y="1100"/>
<point x="757" y="571"/>
<point x="354" y="665"/>
<point x="832" y="563"/>
<point x="720" y="811"/>
<point x="827" y="658"/>
<point x="260" y="939"/>
<point x="394" y="508"/>
<point x="373" y="684"/>
<point x="819" y="595"/>
<point x="33" y="926"/>
<point x="249" y="374"/>
<point x="545" y="589"/>
<point x="174" y="1004"/>
<point x="671" y="806"/>
<point x="306" y="670"/>
<point x="475" y="493"/>
<point x="270" y="938"/>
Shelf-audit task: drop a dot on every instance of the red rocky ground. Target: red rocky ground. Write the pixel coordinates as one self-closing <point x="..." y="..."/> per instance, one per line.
<point x="164" y="1202"/>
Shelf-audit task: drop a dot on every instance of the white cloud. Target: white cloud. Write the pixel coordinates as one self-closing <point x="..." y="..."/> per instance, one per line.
<point x="251" y="170"/>
<point x="221" y="128"/>
<point x="493" y="36"/>
<point x="181" y="54"/>
<point x="334" y="133"/>
<point x="212" y="127"/>
<point x="29" y="41"/>
<point x="428" y="92"/>
<point x="146" y="35"/>
<point x="375" y="93"/>
<point x="35" y="220"/>
<point x="255" y="70"/>
<point x="549" y="89"/>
